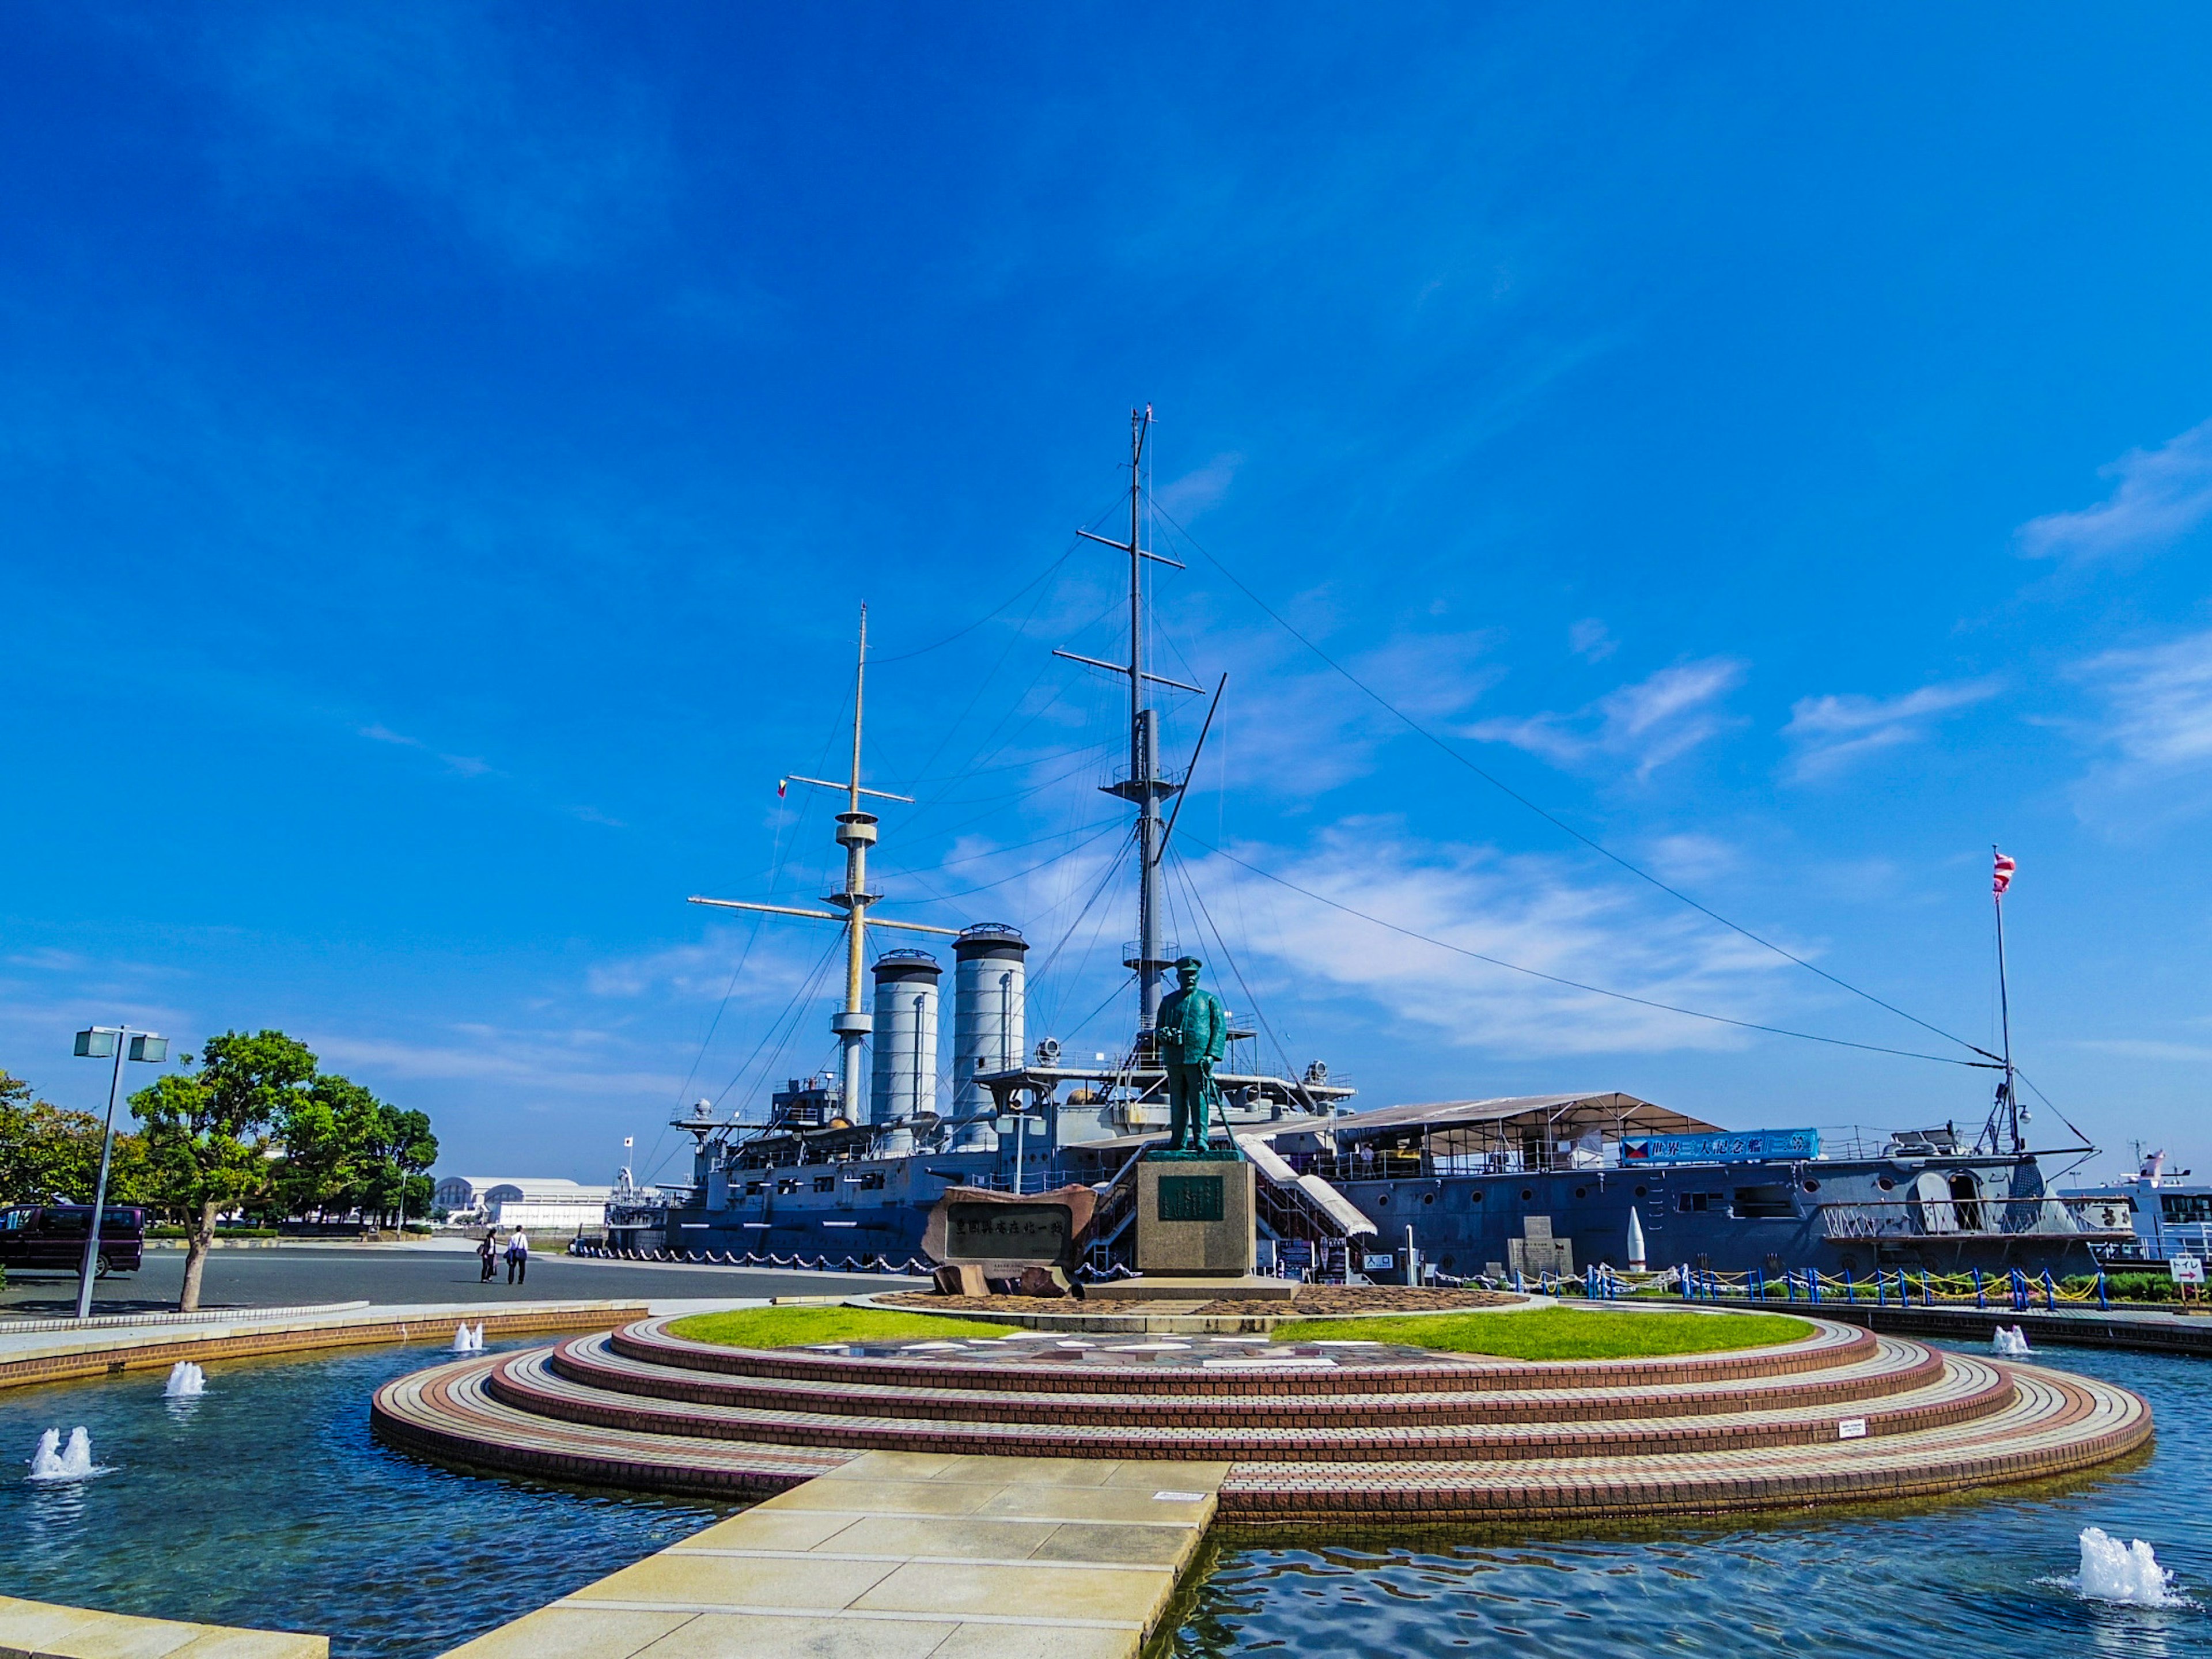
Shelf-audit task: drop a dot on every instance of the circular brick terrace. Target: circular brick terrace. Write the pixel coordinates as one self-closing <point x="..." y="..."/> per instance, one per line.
<point x="1328" y="1431"/>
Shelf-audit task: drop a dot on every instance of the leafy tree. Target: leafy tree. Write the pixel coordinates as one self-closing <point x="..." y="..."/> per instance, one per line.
<point x="47" y="1153"/>
<point x="208" y="1133"/>
<point x="323" y="1131"/>
<point x="398" y="1150"/>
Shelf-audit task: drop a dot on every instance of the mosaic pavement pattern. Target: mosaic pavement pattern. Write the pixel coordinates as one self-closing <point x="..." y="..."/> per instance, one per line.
<point x="1339" y="1431"/>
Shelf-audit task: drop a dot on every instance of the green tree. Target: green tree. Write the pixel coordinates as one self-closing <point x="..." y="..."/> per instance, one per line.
<point x="325" y="1133"/>
<point x="208" y="1141"/>
<point x="398" y="1150"/>
<point x="47" y="1153"/>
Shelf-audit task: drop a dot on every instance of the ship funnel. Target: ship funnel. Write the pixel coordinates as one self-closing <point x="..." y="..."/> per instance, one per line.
<point x="904" y="1080"/>
<point x="988" y="1009"/>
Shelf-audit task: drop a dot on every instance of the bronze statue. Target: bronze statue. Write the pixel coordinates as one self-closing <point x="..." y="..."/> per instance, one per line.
<point x="1192" y="1032"/>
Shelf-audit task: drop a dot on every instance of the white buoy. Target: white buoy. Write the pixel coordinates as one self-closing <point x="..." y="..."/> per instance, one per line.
<point x="1635" y="1241"/>
<point x="54" y="1461"/>
<point x="2113" y="1571"/>
<point x="186" y="1382"/>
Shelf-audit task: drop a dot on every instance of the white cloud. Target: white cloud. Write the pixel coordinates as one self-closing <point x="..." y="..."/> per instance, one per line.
<point x="2157" y="729"/>
<point x="492" y="128"/>
<point x="1647" y="723"/>
<point x="1186" y="497"/>
<point x="558" y="1063"/>
<point x="2163" y="494"/>
<point x="1831" y="733"/>
<point x="1589" y="640"/>
<point x="381" y="733"/>
<point x="1531" y="911"/>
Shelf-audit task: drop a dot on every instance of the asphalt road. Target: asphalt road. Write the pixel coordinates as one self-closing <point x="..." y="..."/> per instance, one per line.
<point x="288" y="1275"/>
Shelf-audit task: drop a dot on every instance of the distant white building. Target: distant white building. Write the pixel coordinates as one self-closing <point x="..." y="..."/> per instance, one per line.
<point x="546" y="1204"/>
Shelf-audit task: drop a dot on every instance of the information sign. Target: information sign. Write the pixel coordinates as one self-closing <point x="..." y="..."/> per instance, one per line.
<point x="1745" y="1147"/>
<point x="2185" y="1269"/>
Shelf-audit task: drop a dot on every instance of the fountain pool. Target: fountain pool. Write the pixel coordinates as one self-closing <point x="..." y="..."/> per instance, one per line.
<point x="2001" y="1578"/>
<point x="266" y="1501"/>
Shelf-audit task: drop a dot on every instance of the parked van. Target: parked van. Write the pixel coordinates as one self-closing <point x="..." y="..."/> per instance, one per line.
<point x="50" y="1239"/>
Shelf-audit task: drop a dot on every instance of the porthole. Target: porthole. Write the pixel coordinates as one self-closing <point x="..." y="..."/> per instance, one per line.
<point x="1382" y="1199"/>
<point x="1428" y="1198"/>
<point x="1640" y="1191"/>
<point x="1526" y="1193"/>
<point x="1812" y="1186"/>
<point x="1475" y="1197"/>
<point x="1581" y="1191"/>
<point x="1885" y="1183"/>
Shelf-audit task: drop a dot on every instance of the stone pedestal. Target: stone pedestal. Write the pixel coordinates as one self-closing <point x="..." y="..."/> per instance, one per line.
<point x="1195" y="1215"/>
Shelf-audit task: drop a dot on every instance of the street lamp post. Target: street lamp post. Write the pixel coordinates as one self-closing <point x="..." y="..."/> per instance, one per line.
<point x="103" y="1042"/>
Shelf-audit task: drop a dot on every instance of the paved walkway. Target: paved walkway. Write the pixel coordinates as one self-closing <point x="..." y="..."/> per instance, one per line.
<point x="42" y="1630"/>
<point x="902" y="1555"/>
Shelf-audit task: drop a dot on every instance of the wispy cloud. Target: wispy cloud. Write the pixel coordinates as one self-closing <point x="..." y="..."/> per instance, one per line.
<point x="1647" y="723"/>
<point x="1201" y="488"/>
<point x="558" y="1063"/>
<point x="469" y="121"/>
<point x="1589" y="640"/>
<point x="2157" y="731"/>
<point x="380" y="733"/>
<point x="2192" y="1053"/>
<point x="1831" y="733"/>
<point x="1531" y="911"/>
<point x="2161" y="494"/>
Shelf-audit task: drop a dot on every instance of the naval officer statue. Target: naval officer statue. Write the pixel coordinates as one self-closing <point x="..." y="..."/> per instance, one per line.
<point x="1192" y="1032"/>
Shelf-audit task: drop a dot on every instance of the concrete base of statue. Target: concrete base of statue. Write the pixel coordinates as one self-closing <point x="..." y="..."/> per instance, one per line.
<point x="1195" y="1214"/>
<point x="1189" y="1287"/>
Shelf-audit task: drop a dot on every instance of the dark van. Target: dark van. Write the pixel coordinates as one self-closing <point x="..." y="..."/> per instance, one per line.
<point x="50" y="1237"/>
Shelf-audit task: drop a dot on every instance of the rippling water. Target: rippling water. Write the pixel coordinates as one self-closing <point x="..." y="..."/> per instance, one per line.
<point x="265" y="1503"/>
<point x="1956" y="1581"/>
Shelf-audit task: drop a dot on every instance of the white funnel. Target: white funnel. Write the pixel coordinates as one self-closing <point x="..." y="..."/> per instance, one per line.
<point x="1635" y="1241"/>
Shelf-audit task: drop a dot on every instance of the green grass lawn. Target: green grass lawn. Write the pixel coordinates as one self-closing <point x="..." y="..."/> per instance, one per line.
<point x="1559" y="1332"/>
<point x="795" y="1328"/>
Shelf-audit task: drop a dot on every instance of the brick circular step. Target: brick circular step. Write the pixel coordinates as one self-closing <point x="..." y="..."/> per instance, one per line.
<point x="1840" y="1416"/>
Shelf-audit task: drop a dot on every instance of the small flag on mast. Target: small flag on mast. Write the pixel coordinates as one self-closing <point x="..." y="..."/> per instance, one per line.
<point x="2001" y="878"/>
<point x="781" y="784"/>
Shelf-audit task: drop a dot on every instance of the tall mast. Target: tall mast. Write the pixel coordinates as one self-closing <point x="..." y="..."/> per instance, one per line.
<point x="2004" y="994"/>
<point x="1144" y="750"/>
<point x="1143" y="787"/>
<point x="856" y="833"/>
<point x="856" y="829"/>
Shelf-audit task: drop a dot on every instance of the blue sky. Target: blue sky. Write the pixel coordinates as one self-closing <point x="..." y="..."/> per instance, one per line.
<point x="443" y="452"/>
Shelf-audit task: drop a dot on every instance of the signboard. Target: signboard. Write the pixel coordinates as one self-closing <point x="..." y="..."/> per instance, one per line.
<point x="1382" y="1258"/>
<point x="1747" y="1147"/>
<point x="2187" y="1269"/>
<point x="1851" y="1428"/>
<point x="1191" y="1198"/>
<point x="1006" y="1232"/>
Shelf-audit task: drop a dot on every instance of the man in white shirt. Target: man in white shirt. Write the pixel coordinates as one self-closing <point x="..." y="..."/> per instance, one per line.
<point x="518" y="1257"/>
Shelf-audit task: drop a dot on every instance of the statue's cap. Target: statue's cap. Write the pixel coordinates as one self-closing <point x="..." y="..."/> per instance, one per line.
<point x="1188" y="961"/>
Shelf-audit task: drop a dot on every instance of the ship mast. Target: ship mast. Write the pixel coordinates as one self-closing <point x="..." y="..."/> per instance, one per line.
<point x="1145" y="787"/>
<point x="2010" y="1105"/>
<point x="856" y="833"/>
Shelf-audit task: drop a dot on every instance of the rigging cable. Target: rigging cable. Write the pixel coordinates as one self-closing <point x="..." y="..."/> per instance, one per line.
<point x="1559" y="824"/>
<point x="1577" y="985"/>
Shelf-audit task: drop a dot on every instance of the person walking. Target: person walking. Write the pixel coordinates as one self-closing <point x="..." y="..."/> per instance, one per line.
<point x="518" y="1257"/>
<point x="488" y="1255"/>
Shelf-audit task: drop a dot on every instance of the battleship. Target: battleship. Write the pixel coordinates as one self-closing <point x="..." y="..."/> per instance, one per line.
<point x="848" y="1162"/>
